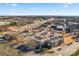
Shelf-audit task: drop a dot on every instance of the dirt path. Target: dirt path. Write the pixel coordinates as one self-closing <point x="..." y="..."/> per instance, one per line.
<point x="67" y="38"/>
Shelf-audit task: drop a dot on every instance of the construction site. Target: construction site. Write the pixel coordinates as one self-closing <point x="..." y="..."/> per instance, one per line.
<point x="39" y="36"/>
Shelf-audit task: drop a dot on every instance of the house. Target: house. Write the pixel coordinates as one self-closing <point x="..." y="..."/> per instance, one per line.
<point x="5" y="38"/>
<point x="57" y="27"/>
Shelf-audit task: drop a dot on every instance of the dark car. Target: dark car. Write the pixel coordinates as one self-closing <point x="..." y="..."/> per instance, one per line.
<point x="23" y="48"/>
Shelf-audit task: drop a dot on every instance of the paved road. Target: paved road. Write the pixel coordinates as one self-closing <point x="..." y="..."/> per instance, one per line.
<point x="67" y="50"/>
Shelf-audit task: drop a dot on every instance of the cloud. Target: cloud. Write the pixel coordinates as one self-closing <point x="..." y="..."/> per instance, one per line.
<point x="66" y="6"/>
<point x="12" y="9"/>
<point x="33" y="8"/>
<point x="14" y="4"/>
<point x="69" y="3"/>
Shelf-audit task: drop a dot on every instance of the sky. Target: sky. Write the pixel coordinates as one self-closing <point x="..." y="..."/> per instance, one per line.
<point x="69" y="9"/>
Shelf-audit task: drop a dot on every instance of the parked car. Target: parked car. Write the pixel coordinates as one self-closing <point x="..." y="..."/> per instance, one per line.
<point x="23" y="48"/>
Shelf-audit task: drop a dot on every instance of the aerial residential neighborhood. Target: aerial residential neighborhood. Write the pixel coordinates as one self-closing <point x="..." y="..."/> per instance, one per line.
<point x="39" y="35"/>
